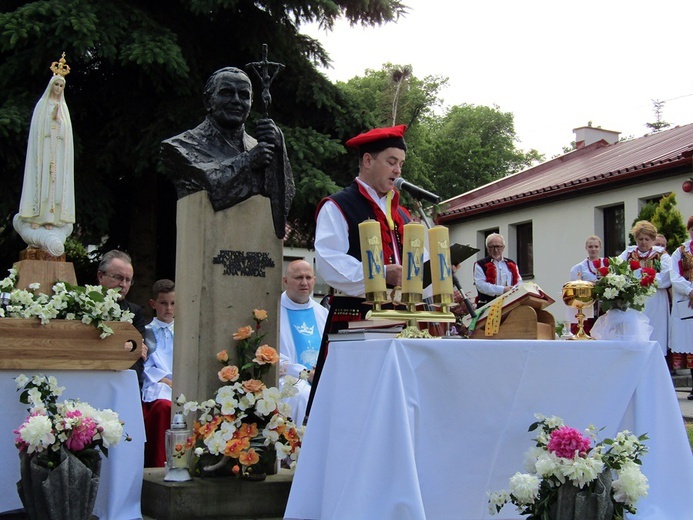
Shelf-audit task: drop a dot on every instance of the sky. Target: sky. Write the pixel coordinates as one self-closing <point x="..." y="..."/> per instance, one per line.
<point x="555" y="65"/>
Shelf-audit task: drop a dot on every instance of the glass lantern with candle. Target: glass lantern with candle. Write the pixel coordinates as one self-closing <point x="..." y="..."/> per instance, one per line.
<point x="179" y="445"/>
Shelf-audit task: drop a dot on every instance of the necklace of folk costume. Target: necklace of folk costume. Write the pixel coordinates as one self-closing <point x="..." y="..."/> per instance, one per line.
<point x="390" y="224"/>
<point x="492" y="273"/>
<point x="686" y="262"/>
<point x="651" y="258"/>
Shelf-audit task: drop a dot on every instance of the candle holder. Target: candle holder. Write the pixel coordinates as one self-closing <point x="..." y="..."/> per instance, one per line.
<point x="412" y="316"/>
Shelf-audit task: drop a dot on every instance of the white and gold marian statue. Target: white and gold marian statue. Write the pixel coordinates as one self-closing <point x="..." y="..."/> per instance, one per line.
<point x="47" y="207"/>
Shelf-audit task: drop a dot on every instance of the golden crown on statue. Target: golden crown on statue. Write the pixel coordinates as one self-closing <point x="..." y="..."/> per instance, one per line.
<point x="60" y="67"/>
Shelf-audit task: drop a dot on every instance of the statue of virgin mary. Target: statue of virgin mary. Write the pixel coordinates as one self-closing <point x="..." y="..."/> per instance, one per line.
<point x="47" y="206"/>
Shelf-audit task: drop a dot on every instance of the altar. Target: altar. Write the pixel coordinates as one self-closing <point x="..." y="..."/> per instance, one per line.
<point x="423" y="429"/>
<point x="120" y="485"/>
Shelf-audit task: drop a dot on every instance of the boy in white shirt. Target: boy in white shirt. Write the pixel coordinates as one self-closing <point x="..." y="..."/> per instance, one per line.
<point x="158" y="373"/>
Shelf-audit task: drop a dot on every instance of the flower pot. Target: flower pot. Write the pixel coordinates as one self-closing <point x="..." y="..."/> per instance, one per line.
<point x="582" y="504"/>
<point x="66" y="492"/>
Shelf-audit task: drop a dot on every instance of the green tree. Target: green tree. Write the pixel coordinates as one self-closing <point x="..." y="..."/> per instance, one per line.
<point x="389" y="96"/>
<point x="470" y="146"/>
<point x="666" y="218"/>
<point x="138" y="69"/>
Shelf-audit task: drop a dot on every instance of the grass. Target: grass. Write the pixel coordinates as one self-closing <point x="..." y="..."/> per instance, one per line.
<point x="689" y="430"/>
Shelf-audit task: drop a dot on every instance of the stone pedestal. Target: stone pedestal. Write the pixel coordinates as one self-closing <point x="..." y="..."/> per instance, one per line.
<point x="227" y="264"/>
<point x="204" y="498"/>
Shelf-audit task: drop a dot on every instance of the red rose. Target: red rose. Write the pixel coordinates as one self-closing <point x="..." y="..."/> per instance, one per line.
<point x="597" y="263"/>
<point x="603" y="271"/>
<point x="648" y="271"/>
<point x="606" y="262"/>
<point x="646" y="280"/>
<point x="634" y="265"/>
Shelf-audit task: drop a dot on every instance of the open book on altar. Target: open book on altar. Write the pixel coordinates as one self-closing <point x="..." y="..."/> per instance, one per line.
<point x="526" y="293"/>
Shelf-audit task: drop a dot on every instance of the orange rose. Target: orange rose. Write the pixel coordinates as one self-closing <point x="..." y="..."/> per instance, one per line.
<point x="236" y="469"/>
<point x="248" y="458"/>
<point x="266" y="354"/>
<point x="228" y="373"/>
<point x="259" y="314"/>
<point x="253" y="385"/>
<point x="223" y="356"/>
<point x="179" y="447"/>
<point x="243" y="333"/>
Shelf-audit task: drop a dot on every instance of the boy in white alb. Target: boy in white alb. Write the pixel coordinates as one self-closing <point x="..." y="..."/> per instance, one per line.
<point x="158" y="373"/>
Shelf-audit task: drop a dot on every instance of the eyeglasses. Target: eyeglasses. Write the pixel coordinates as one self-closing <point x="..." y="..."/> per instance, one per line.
<point x="121" y="279"/>
<point x="496" y="247"/>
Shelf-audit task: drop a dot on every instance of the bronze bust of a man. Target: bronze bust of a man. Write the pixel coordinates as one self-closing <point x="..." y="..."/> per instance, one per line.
<point x="219" y="157"/>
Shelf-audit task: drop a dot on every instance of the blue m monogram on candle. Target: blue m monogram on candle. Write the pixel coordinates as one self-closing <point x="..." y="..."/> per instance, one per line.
<point x="375" y="266"/>
<point x="445" y="271"/>
<point x="414" y="263"/>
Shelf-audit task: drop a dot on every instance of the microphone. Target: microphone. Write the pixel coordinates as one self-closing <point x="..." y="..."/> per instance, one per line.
<point x="467" y="303"/>
<point x="415" y="191"/>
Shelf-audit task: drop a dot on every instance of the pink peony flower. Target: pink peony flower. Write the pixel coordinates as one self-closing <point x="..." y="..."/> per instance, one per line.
<point x="568" y="442"/>
<point x="82" y="432"/>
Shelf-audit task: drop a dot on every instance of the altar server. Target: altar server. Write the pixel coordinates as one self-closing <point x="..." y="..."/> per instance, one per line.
<point x="681" y="326"/>
<point x="158" y="372"/>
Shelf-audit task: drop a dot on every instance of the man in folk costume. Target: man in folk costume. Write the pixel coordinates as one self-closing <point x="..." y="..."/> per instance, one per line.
<point x="681" y="326"/>
<point x="495" y="275"/>
<point x="587" y="272"/>
<point x="372" y="195"/>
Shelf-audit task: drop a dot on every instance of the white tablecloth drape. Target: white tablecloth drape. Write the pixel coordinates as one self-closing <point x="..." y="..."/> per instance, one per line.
<point x="422" y="429"/>
<point x="120" y="484"/>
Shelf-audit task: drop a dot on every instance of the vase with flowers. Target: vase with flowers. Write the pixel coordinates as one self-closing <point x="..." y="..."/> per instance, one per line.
<point x="622" y="289"/>
<point x="572" y="476"/>
<point x="246" y="424"/>
<point x="60" y="447"/>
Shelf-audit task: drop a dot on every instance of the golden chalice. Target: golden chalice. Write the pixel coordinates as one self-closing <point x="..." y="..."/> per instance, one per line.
<point x="579" y="294"/>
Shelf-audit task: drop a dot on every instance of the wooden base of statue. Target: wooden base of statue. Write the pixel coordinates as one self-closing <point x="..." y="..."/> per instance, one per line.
<point x="25" y="344"/>
<point x="522" y="322"/>
<point x="38" y="266"/>
<point x="228" y="263"/>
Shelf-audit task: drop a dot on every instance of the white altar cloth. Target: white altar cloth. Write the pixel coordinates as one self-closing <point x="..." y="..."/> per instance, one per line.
<point x="422" y="429"/>
<point x="120" y="484"/>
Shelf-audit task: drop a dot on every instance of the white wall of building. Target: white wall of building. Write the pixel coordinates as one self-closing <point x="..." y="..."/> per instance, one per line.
<point x="560" y="229"/>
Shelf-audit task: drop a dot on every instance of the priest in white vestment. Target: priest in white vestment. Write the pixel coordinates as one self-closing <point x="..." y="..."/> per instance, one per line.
<point x="302" y="322"/>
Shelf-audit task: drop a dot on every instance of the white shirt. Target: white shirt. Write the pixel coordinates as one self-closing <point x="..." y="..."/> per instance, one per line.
<point x="586" y="270"/>
<point x="159" y="364"/>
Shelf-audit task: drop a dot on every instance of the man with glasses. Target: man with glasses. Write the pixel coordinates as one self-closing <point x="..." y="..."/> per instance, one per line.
<point x="494" y="275"/>
<point x="115" y="272"/>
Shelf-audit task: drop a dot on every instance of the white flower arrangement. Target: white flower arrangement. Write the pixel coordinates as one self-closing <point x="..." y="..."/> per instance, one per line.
<point x="91" y="304"/>
<point x="564" y="456"/>
<point x="73" y="425"/>
<point x="246" y="418"/>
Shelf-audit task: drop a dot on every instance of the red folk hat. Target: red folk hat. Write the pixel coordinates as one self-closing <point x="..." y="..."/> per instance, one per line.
<point x="379" y="139"/>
